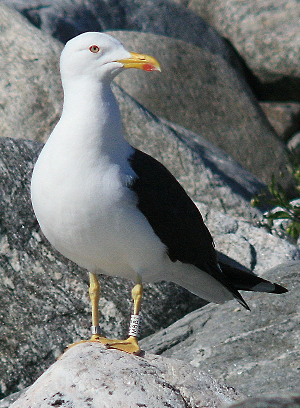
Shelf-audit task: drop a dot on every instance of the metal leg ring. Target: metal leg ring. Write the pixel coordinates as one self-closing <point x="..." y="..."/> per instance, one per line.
<point x="95" y="329"/>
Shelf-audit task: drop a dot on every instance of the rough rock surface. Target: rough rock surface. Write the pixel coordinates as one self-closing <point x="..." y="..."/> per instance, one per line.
<point x="269" y="402"/>
<point x="30" y="89"/>
<point x="266" y="35"/>
<point x="248" y="245"/>
<point x="284" y="117"/>
<point x="256" y="352"/>
<point x="206" y="173"/>
<point x="64" y="19"/>
<point x="88" y="375"/>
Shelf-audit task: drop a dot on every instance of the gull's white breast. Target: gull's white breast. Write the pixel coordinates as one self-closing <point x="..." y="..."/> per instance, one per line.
<point x="88" y="214"/>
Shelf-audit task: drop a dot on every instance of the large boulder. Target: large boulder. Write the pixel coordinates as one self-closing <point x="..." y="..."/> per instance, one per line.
<point x="64" y="19"/>
<point x="265" y="35"/>
<point x="88" y="375"/>
<point x="207" y="173"/>
<point x="256" y="352"/>
<point x="248" y="245"/>
<point x="30" y="88"/>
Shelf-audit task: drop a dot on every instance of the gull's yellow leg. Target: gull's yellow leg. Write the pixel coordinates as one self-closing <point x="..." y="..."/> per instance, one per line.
<point x="130" y="345"/>
<point x="94" y="292"/>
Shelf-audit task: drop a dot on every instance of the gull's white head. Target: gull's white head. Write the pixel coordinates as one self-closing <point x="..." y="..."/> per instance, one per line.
<point x="100" y="57"/>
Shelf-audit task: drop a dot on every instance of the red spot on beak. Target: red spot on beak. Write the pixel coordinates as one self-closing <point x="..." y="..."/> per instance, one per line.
<point x="149" y="67"/>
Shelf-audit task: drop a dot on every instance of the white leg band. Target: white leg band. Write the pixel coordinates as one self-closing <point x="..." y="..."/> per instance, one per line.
<point x="95" y="329"/>
<point x="135" y="326"/>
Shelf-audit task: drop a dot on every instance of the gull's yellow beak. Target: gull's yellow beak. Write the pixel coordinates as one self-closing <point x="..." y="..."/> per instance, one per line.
<point x="141" y="61"/>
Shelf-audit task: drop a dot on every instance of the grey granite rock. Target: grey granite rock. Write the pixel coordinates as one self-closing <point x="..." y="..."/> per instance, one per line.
<point x="65" y="19"/>
<point x="256" y="352"/>
<point x="284" y="117"/>
<point x="199" y="90"/>
<point x="30" y="89"/>
<point x="88" y="375"/>
<point x="266" y="34"/>
<point x="269" y="402"/>
<point x="248" y="245"/>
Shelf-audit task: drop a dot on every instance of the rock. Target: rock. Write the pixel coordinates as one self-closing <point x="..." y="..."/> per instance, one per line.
<point x="248" y="245"/>
<point x="271" y="402"/>
<point x="30" y="89"/>
<point x="199" y="90"/>
<point x="284" y="117"/>
<point x="267" y="37"/>
<point x="7" y="401"/>
<point x="89" y="375"/>
<point x="64" y="19"/>
<point x="294" y="142"/>
<point x="256" y="352"/>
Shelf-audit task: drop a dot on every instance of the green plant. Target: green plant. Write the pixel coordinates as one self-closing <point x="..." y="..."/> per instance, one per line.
<point x="275" y="196"/>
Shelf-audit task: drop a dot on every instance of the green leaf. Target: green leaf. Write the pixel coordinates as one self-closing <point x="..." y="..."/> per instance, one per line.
<point x="279" y="215"/>
<point x="294" y="230"/>
<point x="296" y="211"/>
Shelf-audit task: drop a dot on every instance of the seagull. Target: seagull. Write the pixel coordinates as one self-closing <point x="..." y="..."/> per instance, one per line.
<point x="113" y="209"/>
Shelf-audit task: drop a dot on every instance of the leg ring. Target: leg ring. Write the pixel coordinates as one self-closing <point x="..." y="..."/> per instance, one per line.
<point x="135" y="325"/>
<point x="95" y="330"/>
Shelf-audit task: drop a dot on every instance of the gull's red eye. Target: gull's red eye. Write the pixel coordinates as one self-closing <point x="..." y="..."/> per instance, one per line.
<point x="94" y="48"/>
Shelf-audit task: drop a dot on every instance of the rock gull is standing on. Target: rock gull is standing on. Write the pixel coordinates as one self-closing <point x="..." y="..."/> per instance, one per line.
<point x="113" y="209"/>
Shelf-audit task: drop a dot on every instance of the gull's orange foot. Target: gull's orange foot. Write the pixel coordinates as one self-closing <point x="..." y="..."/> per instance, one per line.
<point x="129" y="345"/>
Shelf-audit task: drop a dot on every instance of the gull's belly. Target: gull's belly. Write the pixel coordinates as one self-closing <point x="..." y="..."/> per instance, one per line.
<point x="95" y="223"/>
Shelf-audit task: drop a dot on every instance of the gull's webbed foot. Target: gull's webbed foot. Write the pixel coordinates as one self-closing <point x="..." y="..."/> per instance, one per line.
<point x="130" y="345"/>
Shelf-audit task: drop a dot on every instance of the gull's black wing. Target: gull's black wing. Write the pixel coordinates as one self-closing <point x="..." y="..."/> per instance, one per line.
<point x="178" y="223"/>
<point x="175" y="218"/>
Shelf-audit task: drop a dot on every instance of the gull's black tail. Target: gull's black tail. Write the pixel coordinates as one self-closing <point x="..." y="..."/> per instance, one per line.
<point x="243" y="280"/>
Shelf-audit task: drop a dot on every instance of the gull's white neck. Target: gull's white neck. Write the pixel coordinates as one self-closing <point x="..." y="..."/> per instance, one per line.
<point x="91" y="120"/>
